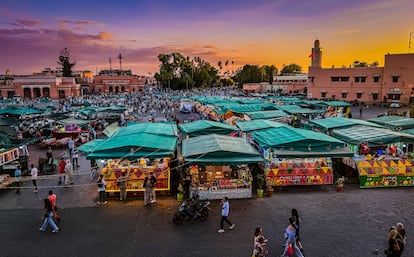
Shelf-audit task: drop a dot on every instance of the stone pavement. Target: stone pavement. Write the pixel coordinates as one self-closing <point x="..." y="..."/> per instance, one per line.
<point x="353" y="223"/>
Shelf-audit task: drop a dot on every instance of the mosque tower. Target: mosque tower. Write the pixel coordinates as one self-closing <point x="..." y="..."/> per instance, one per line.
<point x="316" y="54"/>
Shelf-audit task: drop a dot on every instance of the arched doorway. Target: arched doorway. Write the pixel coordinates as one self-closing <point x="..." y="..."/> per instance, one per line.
<point x="46" y="92"/>
<point x="111" y="89"/>
<point x="27" y="93"/>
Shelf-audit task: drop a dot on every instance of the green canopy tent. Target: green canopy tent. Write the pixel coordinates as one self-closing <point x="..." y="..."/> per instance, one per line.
<point x="290" y="142"/>
<point x="326" y="104"/>
<point x="134" y="145"/>
<point x="205" y="127"/>
<point x="14" y="110"/>
<point x="374" y="136"/>
<point x="336" y="122"/>
<point x="394" y="122"/>
<point x="266" y="114"/>
<point x="252" y="125"/>
<point x="90" y="146"/>
<point x="294" y="109"/>
<point x="160" y="128"/>
<point x="219" y="149"/>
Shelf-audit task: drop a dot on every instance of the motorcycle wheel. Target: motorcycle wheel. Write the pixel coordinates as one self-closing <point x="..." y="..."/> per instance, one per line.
<point x="203" y="215"/>
<point x="178" y="219"/>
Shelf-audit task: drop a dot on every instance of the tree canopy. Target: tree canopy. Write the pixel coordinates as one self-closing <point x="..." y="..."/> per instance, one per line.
<point x="178" y="72"/>
<point x="64" y="61"/>
<point x="291" y="69"/>
<point x="255" y="74"/>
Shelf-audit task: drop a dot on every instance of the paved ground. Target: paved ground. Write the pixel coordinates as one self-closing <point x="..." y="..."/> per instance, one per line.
<point x="349" y="224"/>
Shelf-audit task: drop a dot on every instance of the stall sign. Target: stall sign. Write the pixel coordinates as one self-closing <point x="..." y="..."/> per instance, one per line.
<point x="308" y="171"/>
<point x="136" y="178"/>
<point x="385" y="173"/>
<point x="9" y="156"/>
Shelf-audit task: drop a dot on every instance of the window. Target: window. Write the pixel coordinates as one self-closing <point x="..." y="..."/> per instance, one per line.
<point x="395" y="79"/>
<point x="376" y="79"/>
<point x="359" y="79"/>
<point x="344" y="95"/>
<point x="358" y="95"/>
<point x="336" y="79"/>
<point x="374" y="96"/>
<point x="323" y="94"/>
<point x="394" y="96"/>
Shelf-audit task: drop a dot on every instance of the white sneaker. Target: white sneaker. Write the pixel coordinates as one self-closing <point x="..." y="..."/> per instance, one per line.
<point x="232" y="226"/>
<point x="220" y="230"/>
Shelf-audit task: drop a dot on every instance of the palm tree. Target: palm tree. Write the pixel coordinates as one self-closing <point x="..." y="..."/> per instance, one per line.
<point x="220" y="65"/>
<point x="226" y="63"/>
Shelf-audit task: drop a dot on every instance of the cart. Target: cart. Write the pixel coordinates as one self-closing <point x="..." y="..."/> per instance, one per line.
<point x="45" y="167"/>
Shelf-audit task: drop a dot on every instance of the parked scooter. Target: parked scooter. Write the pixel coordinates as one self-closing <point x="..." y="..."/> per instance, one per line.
<point x="201" y="212"/>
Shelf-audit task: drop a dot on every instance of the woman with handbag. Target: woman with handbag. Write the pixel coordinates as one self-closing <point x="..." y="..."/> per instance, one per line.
<point x="48" y="217"/>
<point x="290" y="245"/>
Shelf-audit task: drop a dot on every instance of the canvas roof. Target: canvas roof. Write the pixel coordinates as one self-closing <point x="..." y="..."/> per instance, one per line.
<point x="204" y="127"/>
<point x="219" y="149"/>
<point x="294" y="109"/>
<point x="336" y="122"/>
<point x="266" y="114"/>
<point x="142" y="144"/>
<point x="73" y="121"/>
<point x="90" y="146"/>
<point x="330" y="103"/>
<point x="394" y="122"/>
<point x="374" y="136"/>
<point x="15" y="110"/>
<point x="292" y="140"/>
<point x="252" y="125"/>
<point x="160" y="128"/>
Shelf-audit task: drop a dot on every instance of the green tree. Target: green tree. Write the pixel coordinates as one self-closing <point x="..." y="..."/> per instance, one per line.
<point x="270" y="72"/>
<point x="360" y="64"/>
<point x="179" y="72"/>
<point x="291" y="69"/>
<point x="64" y="62"/>
<point x="249" y="74"/>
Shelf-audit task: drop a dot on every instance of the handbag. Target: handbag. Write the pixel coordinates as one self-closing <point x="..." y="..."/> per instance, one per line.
<point x="290" y="249"/>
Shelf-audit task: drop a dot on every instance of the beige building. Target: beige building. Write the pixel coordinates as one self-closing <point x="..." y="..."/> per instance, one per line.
<point x="394" y="81"/>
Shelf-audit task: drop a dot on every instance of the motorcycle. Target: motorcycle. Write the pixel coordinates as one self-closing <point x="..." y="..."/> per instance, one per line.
<point x="183" y="213"/>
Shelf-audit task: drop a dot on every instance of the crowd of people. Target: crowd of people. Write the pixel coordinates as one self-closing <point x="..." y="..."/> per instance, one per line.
<point x="292" y="244"/>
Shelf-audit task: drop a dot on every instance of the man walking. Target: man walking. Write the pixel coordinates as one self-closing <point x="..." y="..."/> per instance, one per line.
<point x="18" y="178"/>
<point x="225" y="210"/>
<point x="153" y="183"/>
<point x="61" y="167"/>
<point x="34" y="172"/>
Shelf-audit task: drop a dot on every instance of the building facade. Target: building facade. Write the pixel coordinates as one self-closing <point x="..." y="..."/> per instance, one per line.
<point x="115" y="84"/>
<point x="286" y="85"/>
<point x="372" y="84"/>
<point x="35" y="86"/>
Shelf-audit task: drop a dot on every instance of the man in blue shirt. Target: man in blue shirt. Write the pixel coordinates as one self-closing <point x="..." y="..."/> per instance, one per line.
<point x="224" y="214"/>
<point x="18" y="178"/>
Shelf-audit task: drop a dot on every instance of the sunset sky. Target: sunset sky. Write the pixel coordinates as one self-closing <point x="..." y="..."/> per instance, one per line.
<point x="244" y="31"/>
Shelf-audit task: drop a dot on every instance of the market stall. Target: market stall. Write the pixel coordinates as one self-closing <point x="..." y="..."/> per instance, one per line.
<point x="137" y="170"/>
<point x="384" y="158"/>
<point x="298" y="157"/>
<point x="218" y="166"/>
<point x="137" y="150"/>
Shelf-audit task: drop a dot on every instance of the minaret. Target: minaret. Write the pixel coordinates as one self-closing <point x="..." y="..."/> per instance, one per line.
<point x="316" y="54"/>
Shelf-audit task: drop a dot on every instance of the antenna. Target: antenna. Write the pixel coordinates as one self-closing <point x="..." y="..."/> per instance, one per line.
<point x="120" y="61"/>
<point x="110" y="65"/>
<point x="409" y="42"/>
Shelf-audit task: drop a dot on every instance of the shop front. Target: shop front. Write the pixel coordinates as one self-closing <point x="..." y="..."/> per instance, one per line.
<point x="219" y="166"/>
<point x="298" y="157"/>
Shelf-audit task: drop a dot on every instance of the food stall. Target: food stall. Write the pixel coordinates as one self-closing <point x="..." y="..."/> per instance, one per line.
<point x="137" y="171"/>
<point x="297" y="156"/>
<point x="386" y="164"/>
<point x="218" y="166"/>
<point x="138" y="150"/>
